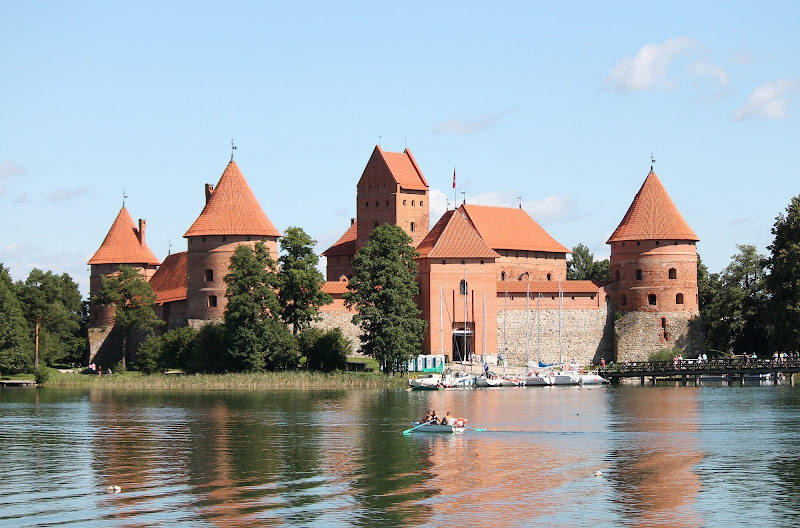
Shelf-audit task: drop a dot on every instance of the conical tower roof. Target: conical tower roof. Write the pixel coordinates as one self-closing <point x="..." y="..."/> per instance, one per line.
<point x="124" y="244"/>
<point x="232" y="209"/>
<point x="652" y="216"/>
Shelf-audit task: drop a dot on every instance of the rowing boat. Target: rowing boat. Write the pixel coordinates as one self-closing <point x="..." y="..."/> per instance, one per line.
<point x="437" y="428"/>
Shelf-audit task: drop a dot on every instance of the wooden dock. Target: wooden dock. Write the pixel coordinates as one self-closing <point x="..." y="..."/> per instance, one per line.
<point x="692" y="369"/>
<point x="17" y="383"/>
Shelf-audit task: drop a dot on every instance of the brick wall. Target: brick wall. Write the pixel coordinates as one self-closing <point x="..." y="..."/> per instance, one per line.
<point x="213" y="253"/>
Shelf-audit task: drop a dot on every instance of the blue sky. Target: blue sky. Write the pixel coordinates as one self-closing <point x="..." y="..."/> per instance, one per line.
<point x="559" y="104"/>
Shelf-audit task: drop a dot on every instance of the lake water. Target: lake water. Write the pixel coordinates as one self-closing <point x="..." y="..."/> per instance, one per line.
<point x="667" y="455"/>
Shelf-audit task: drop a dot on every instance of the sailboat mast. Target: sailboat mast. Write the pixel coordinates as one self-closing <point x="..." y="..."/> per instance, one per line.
<point x="560" y="319"/>
<point x="527" y="322"/>
<point x="483" y="330"/>
<point x="466" y="346"/>
<point x="538" y="328"/>
<point x="441" y="319"/>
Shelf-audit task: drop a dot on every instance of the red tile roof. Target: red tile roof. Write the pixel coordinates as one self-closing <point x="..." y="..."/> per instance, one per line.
<point x="335" y="287"/>
<point x="346" y="245"/>
<point x="169" y="281"/>
<point x="122" y="244"/>
<point x="550" y="287"/>
<point x="652" y="216"/>
<point x="232" y="210"/>
<point x="404" y="169"/>
<point x="454" y="237"/>
<point x="510" y="228"/>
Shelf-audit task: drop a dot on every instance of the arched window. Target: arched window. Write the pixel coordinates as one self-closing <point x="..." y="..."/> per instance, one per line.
<point x="616" y="275"/>
<point x="376" y="223"/>
<point x="549" y="277"/>
<point x="673" y="273"/>
<point x="420" y="203"/>
<point x="679" y="298"/>
<point x="404" y="202"/>
<point x="502" y="275"/>
<point x="412" y="203"/>
<point x="212" y="301"/>
<point x="651" y="299"/>
<point x="639" y="274"/>
<point x="208" y="275"/>
<point x="463" y="287"/>
<point x="412" y="227"/>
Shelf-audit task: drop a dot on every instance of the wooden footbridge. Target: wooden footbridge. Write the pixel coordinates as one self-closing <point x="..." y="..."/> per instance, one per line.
<point x="694" y="369"/>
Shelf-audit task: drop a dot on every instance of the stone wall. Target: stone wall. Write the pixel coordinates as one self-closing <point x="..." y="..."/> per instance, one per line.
<point x="586" y="335"/>
<point x="340" y="319"/>
<point x="639" y="334"/>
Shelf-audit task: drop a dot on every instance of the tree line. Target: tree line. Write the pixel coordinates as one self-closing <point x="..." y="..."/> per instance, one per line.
<point x="271" y="305"/>
<point x="43" y="322"/>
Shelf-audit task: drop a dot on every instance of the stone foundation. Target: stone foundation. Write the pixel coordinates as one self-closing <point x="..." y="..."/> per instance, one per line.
<point x="586" y="336"/>
<point x="639" y="334"/>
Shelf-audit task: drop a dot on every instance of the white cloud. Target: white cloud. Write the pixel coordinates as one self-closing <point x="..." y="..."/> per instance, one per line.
<point x="60" y="195"/>
<point x="769" y="100"/>
<point x="8" y="170"/>
<point x="648" y="69"/>
<point x="713" y="71"/>
<point x="553" y="209"/>
<point x="476" y="124"/>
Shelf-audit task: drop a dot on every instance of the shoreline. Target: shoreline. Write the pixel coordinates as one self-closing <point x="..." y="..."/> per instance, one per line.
<point x="243" y="380"/>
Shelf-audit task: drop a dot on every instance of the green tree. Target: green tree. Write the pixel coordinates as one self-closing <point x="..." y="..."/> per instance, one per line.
<point x="15" y="344"/>
<point x="783" y="281"/>
<point x="256" y="338"/>
<point x="324" y="351"/>
<point x="172" y="349"/>
<point x="382" y="291"/>
<point x="582" y="266"/>
<point x="52" y="305"/>
<point x="299" y="280"/>
<point x="732" y="304"/>
<point x="133" y="301"/>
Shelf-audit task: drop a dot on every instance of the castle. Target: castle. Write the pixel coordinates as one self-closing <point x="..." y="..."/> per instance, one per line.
<point x="491" y="279"/>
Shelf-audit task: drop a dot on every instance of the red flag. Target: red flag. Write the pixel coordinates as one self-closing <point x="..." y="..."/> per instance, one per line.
<point x="454" y="178"/>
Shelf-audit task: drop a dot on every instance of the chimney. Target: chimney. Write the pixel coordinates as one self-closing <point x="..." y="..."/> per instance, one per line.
<point x="209" y="191"/>
<point x="140" y="234"/>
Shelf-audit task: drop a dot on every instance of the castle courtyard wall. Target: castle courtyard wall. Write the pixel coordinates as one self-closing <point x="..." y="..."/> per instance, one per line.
<point x="587" y="334"/>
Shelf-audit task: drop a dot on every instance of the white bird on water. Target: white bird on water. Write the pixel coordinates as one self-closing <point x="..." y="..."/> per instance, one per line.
<point x="113" y="489"/>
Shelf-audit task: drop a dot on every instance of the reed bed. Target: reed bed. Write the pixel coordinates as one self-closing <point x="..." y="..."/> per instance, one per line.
<point x="245" y="380"/>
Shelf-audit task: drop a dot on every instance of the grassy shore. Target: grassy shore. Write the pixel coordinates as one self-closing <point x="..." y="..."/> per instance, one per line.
<point x="246" y="380"/>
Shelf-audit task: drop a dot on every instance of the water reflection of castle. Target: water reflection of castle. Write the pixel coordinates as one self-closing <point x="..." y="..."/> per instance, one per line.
<point x="491" y="279"/>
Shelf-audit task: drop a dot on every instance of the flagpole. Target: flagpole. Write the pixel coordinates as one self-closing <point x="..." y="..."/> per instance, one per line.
<point x="455" y="193"/>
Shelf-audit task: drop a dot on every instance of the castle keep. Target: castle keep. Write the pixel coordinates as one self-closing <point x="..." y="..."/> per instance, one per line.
<point x="492" y="280"/>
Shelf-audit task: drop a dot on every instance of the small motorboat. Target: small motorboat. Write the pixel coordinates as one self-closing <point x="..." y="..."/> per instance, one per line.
<point x="566" y="377"/>
<point x="512" y="381"/>
<point x="592" y="378"/>
<point x="538" y="378"/>
<point x="490" y="381"/>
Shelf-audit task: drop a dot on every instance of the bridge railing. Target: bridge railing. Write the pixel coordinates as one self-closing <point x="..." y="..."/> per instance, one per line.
<point x="696" y="365"/>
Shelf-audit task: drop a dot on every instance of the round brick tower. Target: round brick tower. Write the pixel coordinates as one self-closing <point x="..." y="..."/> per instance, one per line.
<point x="124" y="245"/>
<point x="654" y="273"/>
<point x="232" y="216"/>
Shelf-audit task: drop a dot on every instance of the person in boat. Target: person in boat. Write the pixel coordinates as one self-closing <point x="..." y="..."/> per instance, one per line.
<point x="435" y="418"/>
<point x="428" y="417"/>
<point x="448" y="419"/>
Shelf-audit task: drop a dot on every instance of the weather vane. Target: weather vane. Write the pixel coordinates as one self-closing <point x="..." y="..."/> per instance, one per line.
<point x="124" y="197"/>
<point x="652" y="162"/>
<point x="520" y="201"/>
<point x="233" y="147"/>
